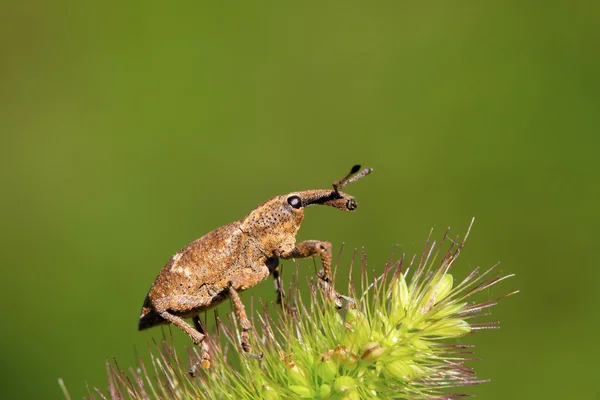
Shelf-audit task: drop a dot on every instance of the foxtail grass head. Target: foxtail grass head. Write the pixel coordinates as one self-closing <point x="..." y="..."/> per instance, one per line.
<point x="397" y="340"/>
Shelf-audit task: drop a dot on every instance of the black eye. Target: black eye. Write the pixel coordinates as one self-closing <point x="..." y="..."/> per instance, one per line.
<point x="294" y="201"/>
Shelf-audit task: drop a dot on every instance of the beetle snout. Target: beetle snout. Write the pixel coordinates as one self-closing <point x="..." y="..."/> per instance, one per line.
<point x="344" y="203"/>
<point x="351" y="204"/>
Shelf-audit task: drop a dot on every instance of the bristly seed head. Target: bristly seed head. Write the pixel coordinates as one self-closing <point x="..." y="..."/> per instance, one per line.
<point x="391" y="343"/>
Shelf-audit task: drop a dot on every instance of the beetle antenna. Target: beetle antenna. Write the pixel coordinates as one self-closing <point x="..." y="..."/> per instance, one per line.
<point x="352" y="176"/>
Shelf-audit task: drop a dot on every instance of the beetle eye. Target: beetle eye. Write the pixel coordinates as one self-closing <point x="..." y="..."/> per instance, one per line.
<point x="294" y="201"/>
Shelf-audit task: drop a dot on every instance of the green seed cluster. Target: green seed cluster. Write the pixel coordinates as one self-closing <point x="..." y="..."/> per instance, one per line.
<point x="391" y="343"/>
<point x="392" y="349"/>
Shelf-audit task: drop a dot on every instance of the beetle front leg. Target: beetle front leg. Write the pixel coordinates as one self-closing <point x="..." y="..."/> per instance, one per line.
<point x="312" y="248"/>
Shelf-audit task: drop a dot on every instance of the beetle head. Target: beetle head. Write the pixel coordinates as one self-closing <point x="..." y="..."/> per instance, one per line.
<point x="334" y="198"/>
<point x="275" y="222"/>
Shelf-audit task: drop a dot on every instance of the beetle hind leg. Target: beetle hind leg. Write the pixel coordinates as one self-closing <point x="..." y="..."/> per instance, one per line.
<point x="179" y="322"/>
<point x="196" y="333"/>
<point x="204" y="351"/>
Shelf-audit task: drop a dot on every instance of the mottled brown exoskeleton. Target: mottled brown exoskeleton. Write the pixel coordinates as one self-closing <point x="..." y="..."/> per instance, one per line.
<point x="236" y="257"/>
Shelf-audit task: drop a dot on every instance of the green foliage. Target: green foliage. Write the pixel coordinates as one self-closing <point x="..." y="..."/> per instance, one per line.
<point x="394" y="341"/>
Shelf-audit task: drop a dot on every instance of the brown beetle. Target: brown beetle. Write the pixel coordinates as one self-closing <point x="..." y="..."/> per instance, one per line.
<point x="236" y="257"/>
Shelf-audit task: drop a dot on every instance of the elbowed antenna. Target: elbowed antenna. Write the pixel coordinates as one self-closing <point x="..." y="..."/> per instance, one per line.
<point x="338" y="185"/>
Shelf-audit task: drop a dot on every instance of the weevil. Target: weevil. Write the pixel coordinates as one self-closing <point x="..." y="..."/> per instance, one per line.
<point x="237" y="256"/>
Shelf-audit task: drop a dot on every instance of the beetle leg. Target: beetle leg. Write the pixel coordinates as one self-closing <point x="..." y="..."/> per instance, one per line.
<point x="240" y="312"/>
<point x="179" y="322"/>
<point x="312" y="248"/>
<point x="204" y="351"/>
<point x="273" y="265"/>
<point x="197" y="335"/>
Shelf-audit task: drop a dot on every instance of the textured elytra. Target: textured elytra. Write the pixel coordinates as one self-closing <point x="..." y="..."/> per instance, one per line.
<point x="238" y="256"/>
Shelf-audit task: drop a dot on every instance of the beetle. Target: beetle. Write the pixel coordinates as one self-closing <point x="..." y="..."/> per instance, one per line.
<point x="239" y="255"/>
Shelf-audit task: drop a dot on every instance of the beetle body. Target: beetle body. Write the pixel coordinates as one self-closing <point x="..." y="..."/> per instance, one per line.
<point x="237" y="256"/>
<point x="194" y="272"/>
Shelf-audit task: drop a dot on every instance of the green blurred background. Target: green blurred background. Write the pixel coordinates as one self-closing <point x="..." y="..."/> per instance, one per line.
<point x="130" y="129"/>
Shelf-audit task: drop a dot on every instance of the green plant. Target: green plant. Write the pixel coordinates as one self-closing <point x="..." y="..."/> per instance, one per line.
<point x="395" y="342"/>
